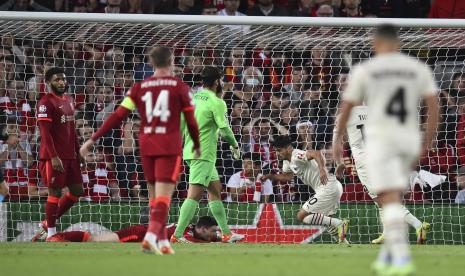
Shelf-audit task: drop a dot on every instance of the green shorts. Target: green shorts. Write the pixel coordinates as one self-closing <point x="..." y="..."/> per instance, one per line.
<point x="202" y="172"/>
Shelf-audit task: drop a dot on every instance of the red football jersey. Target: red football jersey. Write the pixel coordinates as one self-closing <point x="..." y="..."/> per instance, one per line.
<point x="60" y="112"/>
<point x="160" y="101"/>
<point x="136" y="233"/>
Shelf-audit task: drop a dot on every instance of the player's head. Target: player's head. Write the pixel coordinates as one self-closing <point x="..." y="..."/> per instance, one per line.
<point x="161" y="57"/>
<point x="206" y="229"/>
<point x="212" y="78"/>
<point x="55" y="77"/>
<point x="386" y="39"/>
<point x="283" y="147"/>
<point x="251" y="163"/>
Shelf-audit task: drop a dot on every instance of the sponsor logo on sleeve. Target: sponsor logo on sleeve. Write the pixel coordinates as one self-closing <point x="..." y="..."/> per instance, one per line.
<point x="42" y="108"/>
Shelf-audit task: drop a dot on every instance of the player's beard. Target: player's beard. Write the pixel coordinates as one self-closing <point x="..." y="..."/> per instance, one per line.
<point x="57" y="90"/>
<point x="219" y="90"/>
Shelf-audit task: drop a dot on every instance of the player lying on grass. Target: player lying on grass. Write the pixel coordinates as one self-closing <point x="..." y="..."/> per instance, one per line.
<point x="309" y="166"/>
<point x="205" y="230"/>
<point x="354" y="131"/>
<point x="210" y="113"/>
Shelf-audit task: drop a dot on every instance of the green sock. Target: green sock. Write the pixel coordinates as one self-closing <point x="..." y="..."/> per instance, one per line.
<point x="187" y="212"/>
<point x="219" y="213"/>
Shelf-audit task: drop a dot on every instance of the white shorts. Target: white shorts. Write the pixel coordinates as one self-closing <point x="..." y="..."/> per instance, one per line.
<point x="325" y="200"/>
<point x="389" y="164"/>
<point x="362" y="173"/>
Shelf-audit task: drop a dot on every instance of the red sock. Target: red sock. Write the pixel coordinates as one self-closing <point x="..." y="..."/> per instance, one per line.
<point x="159" y="208"/>
<point x="76" y="236"/>
<point x="65" y="203"/>
<point x="51" y="210"/>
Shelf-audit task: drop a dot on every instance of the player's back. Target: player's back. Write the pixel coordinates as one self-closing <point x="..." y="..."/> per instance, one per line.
<point x="160" y="101"/>
<point x="207" y="104"/>
<point x="392" y="85"/>
<point x="356" y="128"/>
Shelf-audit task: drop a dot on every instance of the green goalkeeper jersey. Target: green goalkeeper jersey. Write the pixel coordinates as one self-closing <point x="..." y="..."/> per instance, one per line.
<point x="211" y="116"/>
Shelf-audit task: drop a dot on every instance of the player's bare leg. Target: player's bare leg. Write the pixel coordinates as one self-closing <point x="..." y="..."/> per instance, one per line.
<point x="155" y="240"/>
<point x="342" y="226"/>
<point x="395" y="254"/>
<point x="217" y="208"/>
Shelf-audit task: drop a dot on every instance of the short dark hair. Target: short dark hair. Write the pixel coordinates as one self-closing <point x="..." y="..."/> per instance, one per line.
<point x="161" y="56"/>
<point x="387" y="31"/>
<point x="210" y="74"/>
<point x="282" y="141"/>
<point x="53" y="71"/>
<point x="206" y="221"/>
<point x="254" y="156"/>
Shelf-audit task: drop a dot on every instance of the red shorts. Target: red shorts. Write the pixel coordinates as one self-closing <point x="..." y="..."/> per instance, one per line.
<point x="54" y="179"/>
<point x="161" y="168"/>
<point x="135" y="233"/>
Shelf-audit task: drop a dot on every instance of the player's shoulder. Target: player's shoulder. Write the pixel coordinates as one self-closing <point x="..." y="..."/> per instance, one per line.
<point x="46" y="101"/>
<point x="298" y="154"/>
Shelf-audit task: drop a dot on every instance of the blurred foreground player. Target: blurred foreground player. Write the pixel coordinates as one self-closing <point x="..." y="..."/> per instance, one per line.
<point x="391" y="85"/>
<point x="160" y="100"/>
<point x="59" y="150"/>
<point x="205" y="230"/>
<point x="3" y="187"/>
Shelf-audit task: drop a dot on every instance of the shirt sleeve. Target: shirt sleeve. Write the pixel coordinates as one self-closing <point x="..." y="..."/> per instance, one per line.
<point x="130" y="101"/>
<point x="355" y="90"/>
<point x="234" y="181"/>
<point x="45" y="111"/>
<point x="219" y="114"/>
<point x="429" y="87"/>
<point x="186" y="98"/>
<point x="267" y="187"/>
<point x="286" y="166"/>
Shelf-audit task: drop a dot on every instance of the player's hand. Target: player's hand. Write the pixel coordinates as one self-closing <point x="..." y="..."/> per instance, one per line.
<point x="236" y="152"/>
<point x="340" y="170"/>
<point x="323" y="177"/>
<point x="84" y="150"/>
<point x="57" y="165"/>
<point x="337" y="150"/>
<point x="197" y="152"/>
<point x="266" y="177"/>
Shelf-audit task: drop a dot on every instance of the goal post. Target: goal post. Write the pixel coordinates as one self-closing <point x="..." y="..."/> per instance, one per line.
<point x="283" y="75"/>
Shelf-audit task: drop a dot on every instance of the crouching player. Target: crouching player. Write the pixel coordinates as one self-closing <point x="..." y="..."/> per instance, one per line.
<point x="309" y="166"/>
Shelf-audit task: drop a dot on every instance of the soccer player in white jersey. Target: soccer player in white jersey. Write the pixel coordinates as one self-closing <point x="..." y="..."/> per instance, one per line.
<point x="392" y="85"/>
<point x="309" y="166"/>
<point x="354" y="131"/>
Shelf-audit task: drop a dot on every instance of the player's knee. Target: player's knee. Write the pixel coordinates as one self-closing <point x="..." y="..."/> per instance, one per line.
<point x="56" y="192"/>
<point x="77" y="190"/>
<point x="301" y="215"/>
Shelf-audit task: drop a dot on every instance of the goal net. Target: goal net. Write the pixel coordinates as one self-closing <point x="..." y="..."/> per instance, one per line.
<point x="279" y="80"/>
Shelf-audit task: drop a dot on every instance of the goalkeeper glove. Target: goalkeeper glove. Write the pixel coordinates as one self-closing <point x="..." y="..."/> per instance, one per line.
<point x="236" y="153"/>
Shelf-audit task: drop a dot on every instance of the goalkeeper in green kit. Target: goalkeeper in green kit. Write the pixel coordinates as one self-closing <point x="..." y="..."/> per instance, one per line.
<point x="210" y="113"/>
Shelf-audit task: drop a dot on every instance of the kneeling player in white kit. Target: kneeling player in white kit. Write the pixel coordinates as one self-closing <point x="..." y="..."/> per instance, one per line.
<point x="392" y="85"/>
<point x="354" y="129"/>
<point x="309" y="166"/>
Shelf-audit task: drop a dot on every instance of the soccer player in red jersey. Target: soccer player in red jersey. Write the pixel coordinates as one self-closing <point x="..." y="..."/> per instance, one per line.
<point x="204" y="231"/>
<point x="160" y="100"/>
<point x="59" y="150"/>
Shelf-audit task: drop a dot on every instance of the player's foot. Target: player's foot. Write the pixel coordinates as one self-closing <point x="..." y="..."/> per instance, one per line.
<point x="401" y="270"/>
<point x="380" y="268"/>
<point x="342" y="230"/>
<point x="42" y="233"/>
<point x="150" y="244"/>
<point x="378" y="240"/>
<point x="422" y="232"/>
<point x="173" y="239"/>
<point x="56" y="238"/>
<point x="165" y="248"/>
<point x="233" y="237"/>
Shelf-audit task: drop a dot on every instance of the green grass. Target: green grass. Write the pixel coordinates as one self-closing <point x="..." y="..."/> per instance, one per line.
<point x="213" y="259"/>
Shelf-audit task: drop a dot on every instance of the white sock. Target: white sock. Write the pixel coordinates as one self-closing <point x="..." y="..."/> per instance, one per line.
<point x="151" y="237"/>
<point x="411" y="219"/>
<point x="51" y="231"/>
<point x="381" y="219"/>
<point x="320" y="219"/>
<point x="163" y="243"/>
<point x="395" y="234"/>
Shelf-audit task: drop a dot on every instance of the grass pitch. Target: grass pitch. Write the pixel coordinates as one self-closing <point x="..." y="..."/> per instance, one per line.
<point x="84" y="259"/>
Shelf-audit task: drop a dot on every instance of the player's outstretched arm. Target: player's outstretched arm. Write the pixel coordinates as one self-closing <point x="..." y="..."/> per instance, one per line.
<point x="287" y="176"/>
<point x="219" y="115"/>
<point x="342" y="124"/>
<point x="115" y="119"/>
<point x="316" y="154"/>
<point x="340" y="166"/>
<point x="431" y="121"/>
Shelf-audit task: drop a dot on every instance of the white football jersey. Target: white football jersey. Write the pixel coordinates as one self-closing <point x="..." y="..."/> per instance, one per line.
<point x="355" y="131"/>
<point x="307" y="170"/>
<point x="391" y="85"/>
